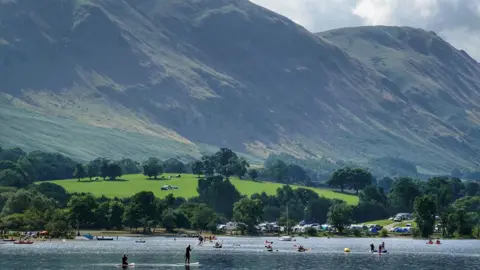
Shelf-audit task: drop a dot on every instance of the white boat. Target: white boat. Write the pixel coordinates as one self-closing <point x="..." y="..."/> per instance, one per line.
<point x="286" y="237"/>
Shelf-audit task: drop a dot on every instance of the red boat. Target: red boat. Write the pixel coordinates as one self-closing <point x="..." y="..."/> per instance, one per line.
<point x="22" y="242"/>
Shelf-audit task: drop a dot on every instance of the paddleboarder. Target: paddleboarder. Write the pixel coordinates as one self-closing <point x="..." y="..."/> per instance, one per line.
<point x="125" y="260"/>
<point x="187" y="254"/>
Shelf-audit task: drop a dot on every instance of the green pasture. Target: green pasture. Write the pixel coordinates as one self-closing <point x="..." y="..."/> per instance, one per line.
<point x="187" y="187"/>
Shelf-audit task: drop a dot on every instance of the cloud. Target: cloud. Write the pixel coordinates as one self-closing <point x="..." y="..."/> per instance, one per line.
<point x="457" y="21"/>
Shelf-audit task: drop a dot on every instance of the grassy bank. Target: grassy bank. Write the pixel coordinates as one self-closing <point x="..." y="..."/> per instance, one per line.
<point x="187" y="187"/>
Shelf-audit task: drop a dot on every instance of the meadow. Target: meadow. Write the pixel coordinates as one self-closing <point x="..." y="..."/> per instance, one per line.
<point x="187" y="187"/>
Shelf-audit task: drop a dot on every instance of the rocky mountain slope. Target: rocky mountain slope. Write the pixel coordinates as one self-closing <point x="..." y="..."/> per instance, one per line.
<point x="148" y="77"/>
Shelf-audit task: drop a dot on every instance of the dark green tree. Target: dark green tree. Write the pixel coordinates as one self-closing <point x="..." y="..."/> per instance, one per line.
<point x="424" y="213"/>
<point x="253" y="173"/>
<point x="169" y="220"/>
<point x="339" y="216"/>
<point x="472" y="189"/>
<point x="248" y="211"/>
<point x="152" y="168"/>
<point x="79" y="172"/>
<point x="317" y="210"/>
<point x="114" y="171"/>
<point x="197" y="168"/>
<point x="403" y="194"/>
<point x="11" y="178"/>
<point x="173" y="165"/>
<point x="219" y="194"/>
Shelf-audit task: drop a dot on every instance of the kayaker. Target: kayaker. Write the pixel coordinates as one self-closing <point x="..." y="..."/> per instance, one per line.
<point x="124" y="260"/>
<point x="438" y="241"/>
<point x="372" y="247"/>
<point x="187" y="254"/>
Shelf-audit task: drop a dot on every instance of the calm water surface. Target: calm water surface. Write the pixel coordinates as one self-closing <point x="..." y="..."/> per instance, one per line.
<point x="243" y="253"/>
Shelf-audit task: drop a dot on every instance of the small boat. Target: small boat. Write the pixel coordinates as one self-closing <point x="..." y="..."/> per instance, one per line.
<point x="285" y="238"/>
<point x="376" y="251"/>
<point x="23" y="242"/>
<point x="268" y="242"/>
<point x="219" y="246"/>
<point x="104" y="238"/>
<point x="9" y="240"/>
<point x="269" y="249"/>
<point x="140" y="241"/>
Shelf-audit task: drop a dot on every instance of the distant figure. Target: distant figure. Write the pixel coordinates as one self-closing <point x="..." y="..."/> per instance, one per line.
<point x="200" y="240"/>
<point x="124" y="260"/>
<point x="383" y="245"/>
<point x="372" y="247"/>
<point x="380" y="248"/>
<point x="117" y="237"/>
<point x="187" y="254"/>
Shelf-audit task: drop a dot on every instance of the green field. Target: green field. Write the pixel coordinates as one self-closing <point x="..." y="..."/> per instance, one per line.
<point x="131" y="184"/>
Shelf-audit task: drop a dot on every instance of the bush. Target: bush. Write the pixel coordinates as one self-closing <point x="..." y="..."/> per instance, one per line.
<point x="384" y="233"/>
<point x="312" y="231"/>
<point x="356" y="232"/>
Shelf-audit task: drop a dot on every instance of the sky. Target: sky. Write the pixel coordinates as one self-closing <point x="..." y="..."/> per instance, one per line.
<point x="457" y="21"/>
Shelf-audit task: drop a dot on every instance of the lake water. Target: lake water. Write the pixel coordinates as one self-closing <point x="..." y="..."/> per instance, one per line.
<point x="244" y="253"/>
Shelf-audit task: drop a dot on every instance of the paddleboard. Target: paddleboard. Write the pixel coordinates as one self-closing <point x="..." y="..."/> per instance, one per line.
<point x="125" y="265"/>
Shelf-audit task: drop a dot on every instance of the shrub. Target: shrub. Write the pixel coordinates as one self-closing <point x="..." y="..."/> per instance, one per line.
<point x="384" y="233"/>
<point x="312" y="231"/>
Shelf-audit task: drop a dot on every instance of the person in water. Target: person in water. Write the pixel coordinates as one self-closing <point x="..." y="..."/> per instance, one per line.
<point x="187" y="254"/>
<point x="380" y="248"/>
<point x="372" y="247"/>
<point x="124" y="260"/>
<point x="383" y="245"/>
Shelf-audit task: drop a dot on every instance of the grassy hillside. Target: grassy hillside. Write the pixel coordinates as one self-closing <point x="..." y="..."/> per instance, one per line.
<point x="131" y="184"/>
<point x="228" y="73"/>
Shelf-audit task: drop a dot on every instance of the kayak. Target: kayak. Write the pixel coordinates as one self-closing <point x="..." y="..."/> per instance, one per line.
<point x="104" y="239"/>
<point x="9" y="240"/>
<point x="23" y="242"/>
<point x="126" y="265"/>
<point x="376" y="251"/>
<point x="269" y="249"/>
<point x="218" y="246"/>
<point x="140" y="241"/>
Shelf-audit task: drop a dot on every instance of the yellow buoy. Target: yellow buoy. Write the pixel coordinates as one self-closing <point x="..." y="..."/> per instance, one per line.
<point x="346" y="249"/>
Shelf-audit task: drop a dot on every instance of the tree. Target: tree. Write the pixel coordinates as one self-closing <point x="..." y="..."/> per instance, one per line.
<point x="104" y="169"/>
<point x="202" y="216"/>
<point x="114" y="171"/>
<point x="424" y="213"/>
<point x="11" y="178"/>
<point x="339" y="215"/>
<point x="116" y="212"/>
<point x="141" y="210"/>
<point x="82" y="210"/>
<point x="53" y="191"/>
<point x="340" y="178"/>
<point x="197" y="167"/>
<point x="173" y="165"/>
<point x="79" y="172"/>
<point x="403" y="194"/>
<point x="219" y="194"/>
<point x="253" y="174"/>
<point x="248" y="211"/>
<point x="152" y="168"/>
<point x="373" y="194"/>
<point x="317" y="210"/>
<point x="129" y="166"/>
<point x="93" y="167"/>
<point x="385" y="183"/>
<point x="472" y="189"/>
<point x="169" y="220"/>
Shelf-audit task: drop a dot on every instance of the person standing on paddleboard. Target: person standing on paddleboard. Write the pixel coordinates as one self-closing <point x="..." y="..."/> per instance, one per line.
<point x="124" y="260"/>
<point x="187" y="254"/>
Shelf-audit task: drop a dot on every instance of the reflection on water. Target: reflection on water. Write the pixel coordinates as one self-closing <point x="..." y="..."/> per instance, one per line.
<point x="243" y="253"/>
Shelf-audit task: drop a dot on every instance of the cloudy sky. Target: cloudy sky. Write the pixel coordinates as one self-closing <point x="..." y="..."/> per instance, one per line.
<point x="457" y="21"/>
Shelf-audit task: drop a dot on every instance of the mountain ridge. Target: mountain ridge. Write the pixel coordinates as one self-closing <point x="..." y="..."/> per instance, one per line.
<point x="232" y="74"/>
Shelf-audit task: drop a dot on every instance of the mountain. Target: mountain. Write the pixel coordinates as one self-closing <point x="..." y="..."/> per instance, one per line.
<point x="180" y="77"/>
